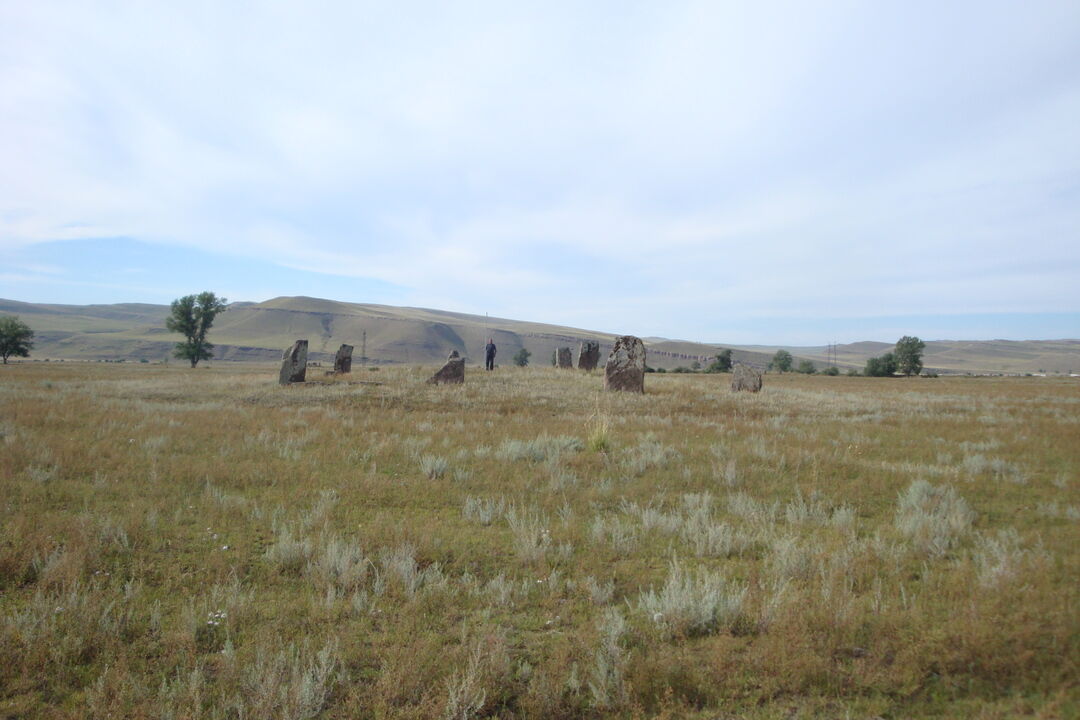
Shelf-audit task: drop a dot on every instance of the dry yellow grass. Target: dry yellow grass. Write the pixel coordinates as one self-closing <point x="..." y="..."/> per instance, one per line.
<point x="186" y="544"/>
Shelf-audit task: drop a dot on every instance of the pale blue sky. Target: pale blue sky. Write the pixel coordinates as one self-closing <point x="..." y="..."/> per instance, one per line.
<point x="788" y="173"/>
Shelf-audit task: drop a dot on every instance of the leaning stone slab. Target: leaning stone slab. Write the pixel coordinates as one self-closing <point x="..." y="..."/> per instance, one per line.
<point x="625" y="369"/>
<point x="294" y="363"/>
<point x="588" y="356"/>
<point x="452" y="373"/>
<point x="343" y="360"/>
<point x="564" y="359"/>
<point x="745" y="377"/>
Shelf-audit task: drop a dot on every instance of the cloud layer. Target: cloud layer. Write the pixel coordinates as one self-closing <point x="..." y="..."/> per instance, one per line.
<point x="656" y="168"/>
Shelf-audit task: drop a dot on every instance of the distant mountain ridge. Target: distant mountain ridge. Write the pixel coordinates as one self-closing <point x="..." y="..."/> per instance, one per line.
<point x="260" y="331"/>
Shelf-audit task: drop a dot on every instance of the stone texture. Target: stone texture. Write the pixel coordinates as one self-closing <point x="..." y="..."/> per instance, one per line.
<point x="625" y="369"/>
<point x="745" y="377"/>
<point x="294" y="363"/>
<point x="452" y="373"/>
<point x="588" y="356"/>
<point x="563" y="359"/>
<point x="343" y="360"/>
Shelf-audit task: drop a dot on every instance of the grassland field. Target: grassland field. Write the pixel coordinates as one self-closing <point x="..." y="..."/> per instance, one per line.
<point x="203" y="543"/>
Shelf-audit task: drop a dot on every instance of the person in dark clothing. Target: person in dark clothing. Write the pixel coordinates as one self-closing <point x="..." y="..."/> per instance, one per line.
<point x="489" y="353"/>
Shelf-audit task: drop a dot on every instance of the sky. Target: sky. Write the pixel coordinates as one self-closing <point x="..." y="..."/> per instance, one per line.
<point x="733" y="172"/>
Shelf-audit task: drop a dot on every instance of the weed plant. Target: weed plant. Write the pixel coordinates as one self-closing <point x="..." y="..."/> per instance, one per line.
<point x="207" y="544"/>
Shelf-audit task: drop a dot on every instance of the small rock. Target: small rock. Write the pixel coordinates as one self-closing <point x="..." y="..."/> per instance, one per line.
<point x="343" y="360"/>
<point x="452" y="373"/>
<point x="745" y="377"/>
<point x="588" y="355"/>
<point x="564" y="360"/>
<point x="294" y="363"/>
<point x="625" y="369"/>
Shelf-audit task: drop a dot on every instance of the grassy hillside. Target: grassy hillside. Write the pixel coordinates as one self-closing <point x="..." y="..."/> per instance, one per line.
<point x="181" y="543"/>
<point x="957" y="356"/>
<point x="260" y="331"/>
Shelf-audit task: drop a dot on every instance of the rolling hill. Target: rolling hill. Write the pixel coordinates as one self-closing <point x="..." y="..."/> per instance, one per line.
<point x="957" y="356"/>
<point x="260" y="331"/>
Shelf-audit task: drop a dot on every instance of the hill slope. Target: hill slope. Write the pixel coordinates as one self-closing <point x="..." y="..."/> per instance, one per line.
<point x="960" y="356"/>
<point x="260" y="331"/>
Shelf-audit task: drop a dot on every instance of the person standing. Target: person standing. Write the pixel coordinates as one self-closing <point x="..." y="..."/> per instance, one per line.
<point x="489" y="353"/>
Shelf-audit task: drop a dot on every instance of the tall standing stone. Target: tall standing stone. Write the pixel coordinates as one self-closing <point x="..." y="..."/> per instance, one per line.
<point x="343" y="360"/>
<point x="452" y="373"/>
<point x="564" y="359"/>
<point x="588" y="356"/>
<point x="294" y="363"/>
<point x="625" y="369"/>
<point x="745" y="377"/>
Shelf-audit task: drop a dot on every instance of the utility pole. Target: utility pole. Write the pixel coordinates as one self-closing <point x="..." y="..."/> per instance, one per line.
<point x="363" y="348"/>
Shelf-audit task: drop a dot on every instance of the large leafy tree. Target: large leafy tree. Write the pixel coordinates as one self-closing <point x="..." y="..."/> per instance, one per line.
<point x="884" y="366"/>
<point x="782" y="361"/>
<point x="16" y="338"/>
<point x="521" y="359"/>
<point x="908" y="354"/>
<point x="721" y="364"/>
<point x="192" y="316"/>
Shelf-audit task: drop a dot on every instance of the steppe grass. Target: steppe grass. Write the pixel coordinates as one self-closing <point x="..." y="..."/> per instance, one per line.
<point x="206" y="544"/>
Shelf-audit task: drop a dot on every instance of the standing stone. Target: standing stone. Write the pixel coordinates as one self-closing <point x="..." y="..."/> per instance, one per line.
<point x="625" y="368"/>
<point x="452" y="373"/>
<point x="343" y="360"/>
<point x="294" y="363"/>
<point x="588" y="356"/>
<point x="745" y="377"/>
<point x="564" y="360"/>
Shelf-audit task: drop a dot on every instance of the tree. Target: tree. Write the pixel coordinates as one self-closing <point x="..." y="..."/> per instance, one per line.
<point x="806" y="367"/>
<point x="831" y="370"/>
<point x="782" y="361"/>
<point x="16" y="337"/>
<point x="521" y="359"/>
<point x="908" y="353"/>
<point x="721" y="364"/>
<point x="884" y="366"/>
<point x="192" y="316"/>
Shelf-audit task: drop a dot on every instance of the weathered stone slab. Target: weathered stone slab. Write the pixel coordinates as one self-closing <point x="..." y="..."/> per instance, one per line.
<point x="294" y="363"/>
<point x="343" y="360"/>
<point x="745" y="377"/>
<point x="452" y="373"/>
<point x="625" y="369"/>
<point x="563" y="359"/>
<point x="588" y="356"/>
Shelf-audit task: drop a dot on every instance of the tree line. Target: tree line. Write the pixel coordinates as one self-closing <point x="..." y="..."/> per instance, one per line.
<point x="906" y="358"/>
